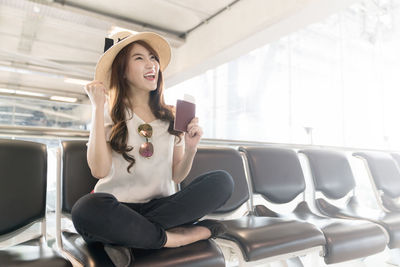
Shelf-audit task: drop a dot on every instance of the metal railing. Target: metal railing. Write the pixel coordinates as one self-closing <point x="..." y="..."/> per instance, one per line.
<point x="42" y="132"/>
<point x="31" y="132"/>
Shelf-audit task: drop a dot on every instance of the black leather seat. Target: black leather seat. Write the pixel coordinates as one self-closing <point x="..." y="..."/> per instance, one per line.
<point x="78" y="181"/>
<point x="258" y="238"/>
<point x="332" y="175"/>
<point x="23" y="174"/>
<point x="385" y="174"/>
<point x="277" y="176"/>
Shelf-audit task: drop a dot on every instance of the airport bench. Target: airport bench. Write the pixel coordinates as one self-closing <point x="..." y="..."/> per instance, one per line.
<point x="332" y="175"/>
<point x="23" y="180"/>
<point x="277" y="177"/>
<point x="254" y="240"/>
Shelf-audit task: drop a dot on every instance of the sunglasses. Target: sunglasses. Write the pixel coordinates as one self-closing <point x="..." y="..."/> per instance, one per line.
<point x="146" y="150"/>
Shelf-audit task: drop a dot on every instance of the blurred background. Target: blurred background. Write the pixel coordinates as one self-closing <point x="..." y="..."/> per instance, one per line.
<point x="304" y="72"/>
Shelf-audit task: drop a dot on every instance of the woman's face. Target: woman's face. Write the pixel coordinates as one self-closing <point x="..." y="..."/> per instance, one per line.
<point x="142" y="69"/>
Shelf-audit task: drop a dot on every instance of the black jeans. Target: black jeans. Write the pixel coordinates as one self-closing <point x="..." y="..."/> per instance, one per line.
<point x="100" y="217"/>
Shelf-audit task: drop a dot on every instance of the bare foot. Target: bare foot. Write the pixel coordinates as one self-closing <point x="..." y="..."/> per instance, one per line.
<point x="184" y="235"/>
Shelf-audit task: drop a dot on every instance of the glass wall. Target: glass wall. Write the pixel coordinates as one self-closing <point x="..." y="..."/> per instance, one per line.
<point x="20" y="111"/>
<point x="334" y="82"/>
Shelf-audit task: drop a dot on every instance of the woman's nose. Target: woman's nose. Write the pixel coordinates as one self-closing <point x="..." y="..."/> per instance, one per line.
<point x="150" y="64"/>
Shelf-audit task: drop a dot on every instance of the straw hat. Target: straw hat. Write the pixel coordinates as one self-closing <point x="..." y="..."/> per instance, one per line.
<point x="118" y="41"/>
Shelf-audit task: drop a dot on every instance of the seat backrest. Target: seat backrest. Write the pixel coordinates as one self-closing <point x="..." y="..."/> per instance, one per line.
<point x="396" y="157"/>
<point x="23" y="180"/>
<point x="227" y="159"/>
<point x="77" y="179"/>
<point x="275" y="173"/>
<point x="331" y="172"/>
<point x="384" y="171"/>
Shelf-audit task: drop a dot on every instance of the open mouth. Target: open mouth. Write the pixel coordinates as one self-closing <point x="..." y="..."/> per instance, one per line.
<point x="150" y="77"/>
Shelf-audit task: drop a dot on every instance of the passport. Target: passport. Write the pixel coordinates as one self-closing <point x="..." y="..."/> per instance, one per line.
<point x="185" y="112"/>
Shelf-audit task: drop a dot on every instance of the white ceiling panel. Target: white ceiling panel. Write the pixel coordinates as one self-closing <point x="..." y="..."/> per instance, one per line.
<point x="66" y="38"/>
<point x="43" y="42"/>
<point x="204" y="8"/>
<point x="173" y="15"/>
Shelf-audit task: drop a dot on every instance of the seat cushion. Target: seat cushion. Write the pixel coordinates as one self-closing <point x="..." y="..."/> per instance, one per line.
<point x="88" y="255"/>
<point x="33" y="254"/>
<point x="348" y="240"/>
<point x="203" y="253"/>
<point x="263" y="237"/>
<point x="389" y="221"/>
<point x="345" y="239"/>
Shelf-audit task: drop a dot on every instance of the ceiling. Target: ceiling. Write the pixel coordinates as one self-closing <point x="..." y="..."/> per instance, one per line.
<point x="44" y="44"/>
<point x="50" y="47"/>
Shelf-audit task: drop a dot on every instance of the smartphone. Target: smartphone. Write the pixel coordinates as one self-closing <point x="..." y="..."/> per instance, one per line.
<point x="185" y="112"/>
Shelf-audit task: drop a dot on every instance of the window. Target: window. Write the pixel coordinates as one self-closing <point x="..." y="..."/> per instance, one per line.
<point x="333" y="83"/>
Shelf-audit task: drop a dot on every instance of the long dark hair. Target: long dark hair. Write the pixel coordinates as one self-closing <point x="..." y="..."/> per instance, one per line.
<point x="120" y="103"/>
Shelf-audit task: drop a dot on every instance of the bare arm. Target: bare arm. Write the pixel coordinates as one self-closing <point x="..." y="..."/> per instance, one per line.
<point x="183" y="157"/>
<point x="99" y="151"/>
<point x="182" y="163"/>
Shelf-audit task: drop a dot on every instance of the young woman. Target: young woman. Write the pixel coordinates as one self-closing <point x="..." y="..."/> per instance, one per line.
<point x="135" y="153"/>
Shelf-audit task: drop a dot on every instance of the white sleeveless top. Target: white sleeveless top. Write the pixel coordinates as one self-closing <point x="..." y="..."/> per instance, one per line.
<point x="149" y="178"/>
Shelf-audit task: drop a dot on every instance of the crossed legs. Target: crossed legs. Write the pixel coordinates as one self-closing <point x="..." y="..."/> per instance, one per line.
<point x="164" y="222"/>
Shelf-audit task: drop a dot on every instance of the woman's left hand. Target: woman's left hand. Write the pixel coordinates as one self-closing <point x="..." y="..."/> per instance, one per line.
<point x="193" y="135"/>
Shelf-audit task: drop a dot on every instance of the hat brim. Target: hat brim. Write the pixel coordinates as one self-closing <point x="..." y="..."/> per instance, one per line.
<point x="158" y="43"/>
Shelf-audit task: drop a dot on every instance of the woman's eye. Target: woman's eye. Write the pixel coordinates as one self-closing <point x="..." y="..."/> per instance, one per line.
<point x="152" y="57"/>
<point x="138" y="58"/>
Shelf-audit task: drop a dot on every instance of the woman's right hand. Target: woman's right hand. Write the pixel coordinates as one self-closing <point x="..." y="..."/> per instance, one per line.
<point x="96" y="92"/>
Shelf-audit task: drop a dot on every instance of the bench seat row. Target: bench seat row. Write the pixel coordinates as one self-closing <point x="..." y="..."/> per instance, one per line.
<point x="265" y="178"/>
